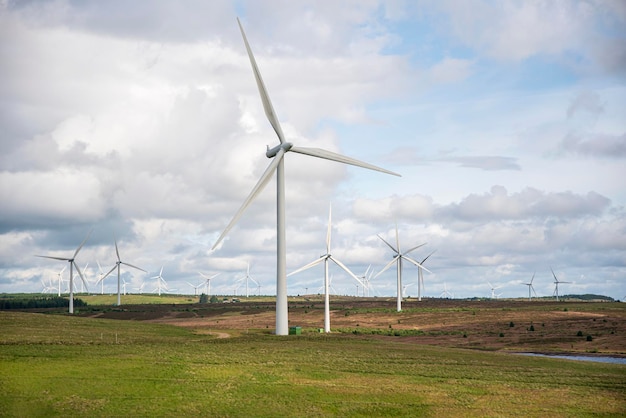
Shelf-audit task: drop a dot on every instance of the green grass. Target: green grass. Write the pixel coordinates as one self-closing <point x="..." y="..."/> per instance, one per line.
<point x="53" y="365"/>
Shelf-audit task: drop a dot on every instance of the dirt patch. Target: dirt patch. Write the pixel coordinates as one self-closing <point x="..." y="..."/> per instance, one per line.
<point x="510" y="325"/>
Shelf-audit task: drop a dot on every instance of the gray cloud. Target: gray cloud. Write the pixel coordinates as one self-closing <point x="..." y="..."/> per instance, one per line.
<point x="486" y="162"/>
<point x="595" y="145"/>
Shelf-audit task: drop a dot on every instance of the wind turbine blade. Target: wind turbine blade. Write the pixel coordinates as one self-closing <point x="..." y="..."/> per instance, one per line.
<point x="533" y="290"/>
<point x="390" y="246"/>
<point x="54" y="258"/>
<point x="308" y="266"/>
<point x="428" y="256"/>
<point x="387" y="266"/>
<point x="409" y="259"/>
<point x="531" y="279"/>
<point x="117" y="251"/>
<point x="415" y="248"/>
<point x="81" y="245"/>
<point x="80" y="273"/>
<point x="555" y="279"/>
<point x="328" y="155"/>
<point x="265" y="98"/>
<point x="397" y="238"/>
<point x="347" y="270"/>
<point x="135" y="267"/>
<point x="110" y="271"/>
<point x="253" y="194"/>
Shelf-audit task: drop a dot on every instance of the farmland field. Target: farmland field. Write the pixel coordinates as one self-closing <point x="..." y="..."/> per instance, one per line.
<point x="436" y="358"/>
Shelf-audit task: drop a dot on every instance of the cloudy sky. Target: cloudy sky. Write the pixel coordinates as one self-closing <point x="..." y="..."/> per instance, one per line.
<point x="142" y="121"/>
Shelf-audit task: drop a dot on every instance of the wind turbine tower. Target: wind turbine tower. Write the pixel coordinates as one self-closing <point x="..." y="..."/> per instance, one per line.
<point x="420" y="278"/>
<point x="72" y="265"/>
<point x="276" y="154"/>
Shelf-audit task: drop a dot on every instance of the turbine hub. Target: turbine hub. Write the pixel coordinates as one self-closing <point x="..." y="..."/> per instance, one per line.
<point x="271" y="152"/>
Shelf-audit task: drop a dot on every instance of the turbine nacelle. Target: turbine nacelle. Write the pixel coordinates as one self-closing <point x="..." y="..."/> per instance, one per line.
<point x="271" y="152"/>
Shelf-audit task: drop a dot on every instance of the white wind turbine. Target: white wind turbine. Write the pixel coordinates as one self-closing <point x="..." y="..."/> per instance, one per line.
<point x="117" y="265"/>
<point x="195" y="287"/>
<point x="493" y="290"/>
<point x="247" y="278"/>
<point x="72" y="265"/>
<point x="60" y="274"/>
<point x="101" y="279"/>
<point x="325" y="258"/>
<point x="556" y="284"/>
<point x="208" y="281"/>
<point x="445" y="292"/>
<point x="420" y="278"/>
<point x="397" y="258"/>
<point x="365" y="278"/>
<point x="276" y="154"/>
<point x="530" y="287"/>
<point x="161" y="283"/>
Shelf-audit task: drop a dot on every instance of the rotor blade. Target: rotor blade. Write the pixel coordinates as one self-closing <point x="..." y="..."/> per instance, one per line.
<point x="81" y="276"/>
<point x="110" y="271"/>
<point x="308" y="266"/>
<point x="397" y="239"/>
<point x="428" y="256"/>
<point x="265" y="98"/>
<point x="54" y="258"/>
<point x="555" y="279"/>
<point x="387" y="266"/>
<point x="346" y="269"/>
<point x="267" y="175"/>
<point x="81" y="244"/>
<point x="390" y="246"/>
<point x="328" y="155"/>
<point x="532" y="278"/>
<point x="409" y="259"/>
<point x="415" y="248"/>
<point x="533" y="290"/>
<point x="135" y="267"/>
<point x="117" y="251"/>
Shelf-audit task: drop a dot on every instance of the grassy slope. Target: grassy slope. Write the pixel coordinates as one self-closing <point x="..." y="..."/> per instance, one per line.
<point x="58" y="365"/>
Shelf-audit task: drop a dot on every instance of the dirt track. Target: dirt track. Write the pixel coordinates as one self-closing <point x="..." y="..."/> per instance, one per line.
<point x="537" y="326"/>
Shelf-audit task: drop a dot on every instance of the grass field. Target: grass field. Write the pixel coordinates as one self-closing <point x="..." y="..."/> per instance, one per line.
<point x="52" y="365"/>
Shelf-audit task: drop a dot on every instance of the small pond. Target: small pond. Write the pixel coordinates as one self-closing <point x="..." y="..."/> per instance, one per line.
<point x="600" y="359"/>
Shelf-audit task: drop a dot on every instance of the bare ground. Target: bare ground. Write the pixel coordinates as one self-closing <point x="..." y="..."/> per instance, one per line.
<point x="507" y="325"/>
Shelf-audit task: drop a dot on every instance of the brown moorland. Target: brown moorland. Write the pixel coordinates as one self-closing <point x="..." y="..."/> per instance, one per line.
<point x="541" y="326"/>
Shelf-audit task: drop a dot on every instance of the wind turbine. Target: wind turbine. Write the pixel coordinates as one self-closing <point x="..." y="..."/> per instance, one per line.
<point x="445" y="292"/>
<point x="556" y="285"/>
<point x="195" y="287"/>
<point x="208" y="281"/>
<point x="530" y="287"/>
<point x="161" y="283"/>
<point x="60" y="274"/>
<point x="420" y="278"/>
<point x="247" y="278"/>
<point x="276" y="154"/>
<point x="324" y="258"/>
<point x="397" y="258"/>
<point x="493" y="289"/>
<point x="117" y="265"/>
<point x="101" y="280"/>
<point x="72" y="265"/>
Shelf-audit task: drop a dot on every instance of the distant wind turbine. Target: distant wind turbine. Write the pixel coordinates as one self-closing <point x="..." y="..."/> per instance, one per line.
<point x="161" y="283"/>
<point x="276" y="154"/>
<point x="397" y="258"/>
<point x="195" y="287"/>
<point x="493" y="290"/>
<point x="117" y="265"/>
<point x="208" y="281"/>
<point x="530" y="287"/>
<point x="445" y="292"/>
<point x="72" y="266"/>
<point x="556" y="284"/>
<point x="325" y="258"/>
<point x="60" y="274"/>
<point x="420" y="278"/>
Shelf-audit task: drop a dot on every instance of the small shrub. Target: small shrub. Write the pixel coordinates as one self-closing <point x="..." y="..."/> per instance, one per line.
<point x="579" y="334"/>
<point x="532" y="328"/>
<point x="511" y="324"/>
<point x="464" y="335"/>
<point x="589" y="338"/>
<point x="501" y="335"/>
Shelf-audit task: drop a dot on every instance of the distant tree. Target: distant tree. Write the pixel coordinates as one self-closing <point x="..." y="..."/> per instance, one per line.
<point x="204" y="298"/>
<point x="214" y="299"/>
